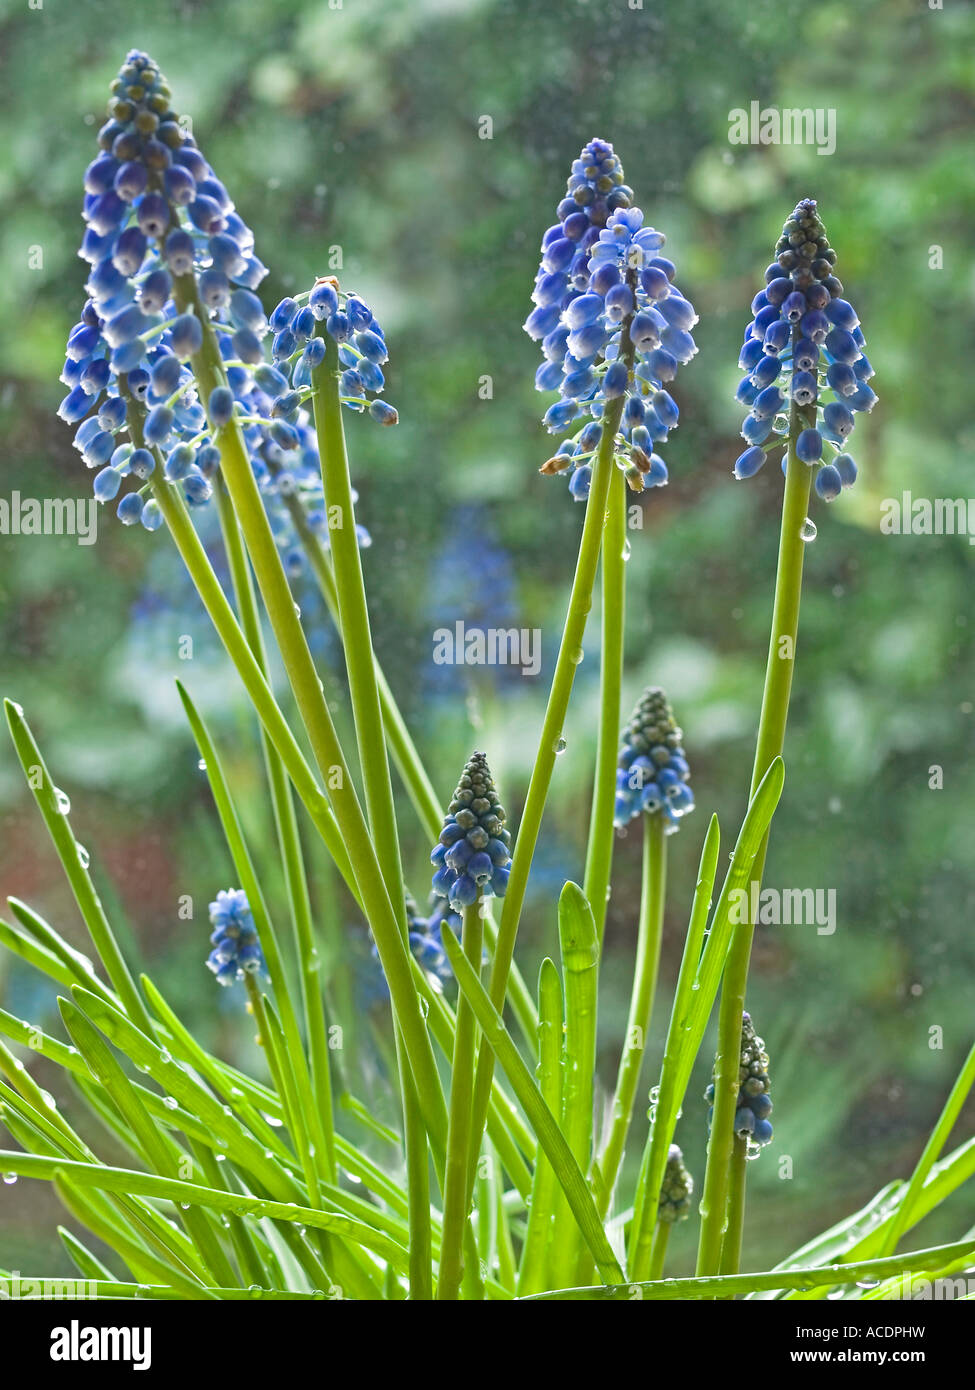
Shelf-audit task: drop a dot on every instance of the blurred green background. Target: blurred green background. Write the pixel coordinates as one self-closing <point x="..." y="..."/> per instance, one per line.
<point x="358" y="126"/>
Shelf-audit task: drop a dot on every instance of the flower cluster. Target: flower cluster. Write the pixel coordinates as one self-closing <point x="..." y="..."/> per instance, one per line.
<point x="473" y="853"/>
<point x="426" y="944"/>
<point x="803" y="355"/>
<point x="297" y="349"/>
<point x="168" y="254"/>
<point x="651" y="771"/>
<point x="236" y="949"/>
<point x="676" y="1189"/>
<point x="612" y="324"/>
<point x="754" y="1101"/>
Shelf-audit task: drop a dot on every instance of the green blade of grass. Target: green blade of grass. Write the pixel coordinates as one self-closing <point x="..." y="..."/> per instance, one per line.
<point x="175" y="1190"/>
<point x="73" y="861"/>
<point x="579" y="945"/>
<point x="731" y="1285"/>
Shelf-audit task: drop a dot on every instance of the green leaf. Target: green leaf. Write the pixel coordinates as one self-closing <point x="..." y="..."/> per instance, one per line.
<point x="74" y="863"/>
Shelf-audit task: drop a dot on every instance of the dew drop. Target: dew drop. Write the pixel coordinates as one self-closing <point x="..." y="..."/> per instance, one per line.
<point x="170" y="1102"/>
<point x="164" y="1057"/>
<point x="559" y="746"/>
<point x="297" y="611"/>
<point x="63" y="800"/>
<point x="84" y="858"/>
<point x="627" y="549"/>
<point x="202" y="765"/>
<point x="577" y="656"/>
<point x="807" y="531"/>
<point x="10" y="1178"/>
<point x="272" y="1120"/>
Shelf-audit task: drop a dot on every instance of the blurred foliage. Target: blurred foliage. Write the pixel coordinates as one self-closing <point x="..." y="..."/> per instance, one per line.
<point x="358" y="125"/>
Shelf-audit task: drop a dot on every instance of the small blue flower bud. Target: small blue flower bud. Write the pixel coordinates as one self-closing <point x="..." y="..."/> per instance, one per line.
<point x="842" y="314"/>
<point x="106" y="485"/>
<point x="804" y="388"/>
<point x="129" y="510"/>
<point x="839" y="419"/>
<point x="152" y="517"/>
<point x="809" y="446"/>
<point x="159" y="423"/>
<point x="383" y="413"/>
<point x="580" y="482"/>
<point x="186" y="336"/>
<point x="828" y="482"/>
<point x="748" y="463"/>
<point x="847" y="469"/>
<point x="220" y="407"/>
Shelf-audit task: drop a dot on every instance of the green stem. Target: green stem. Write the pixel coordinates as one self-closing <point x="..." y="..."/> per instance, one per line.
<point x="309" y="695"/>
<point x="534" y="1255"/>
<point x="697" y="989"/>
<point x="722" y="1154"/>
<point x="641" y="1004"/>
<point x="417" y="1187"/>
<point x="550" y="742"/>
<point x="550" y="1137"/>
<point x="360" y="661"/>
<point x="580" y="969"/>
<point x="286" y="825"/>
<point x="75" y="865"/>
<point x="407" y="760"/>
<point x="460" y="1138"/>
<point x="599" y="855"/>
<point x="353" y="622"/>
<point x="401" y="746"/>
<point x="939" y="1136"/>
<point x="659" y="1253"/>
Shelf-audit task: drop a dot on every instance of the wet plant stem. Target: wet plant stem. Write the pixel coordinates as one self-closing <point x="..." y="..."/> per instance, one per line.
<point x="599" y="855"/>
<point x="460" y="1136"/>
<point x="724" y="1184"/>
<point x="641" y="1005"/>
<point x="550" y="742"/>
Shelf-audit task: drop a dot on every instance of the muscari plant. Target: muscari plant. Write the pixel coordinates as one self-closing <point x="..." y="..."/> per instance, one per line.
<point x="468" y="1162"/>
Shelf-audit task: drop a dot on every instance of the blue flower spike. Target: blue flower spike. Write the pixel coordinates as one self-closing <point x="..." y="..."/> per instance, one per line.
<point x="473" y="854"/>
<point x="156" y="213"/>
<point x="236" y="950"/>
<point x="612" y="325"/>
<point x="803" y="351"/>
<point x="652" y="773"/>
<point x="676" y="1190"/>
<point x="754" y="1093"/>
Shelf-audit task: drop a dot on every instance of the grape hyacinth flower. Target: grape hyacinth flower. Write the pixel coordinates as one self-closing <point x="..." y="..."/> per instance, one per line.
<point x="473" y="852"/>
<point x="426" y="945"/>
<point x="805" y="347"/>
<point x="612" y="325"/>
<point x="236" y="949"/>
<point x="652" y="771"/>
<point x="159" y="222"/>
<point x="676" y="1189"/>
<point x="299" y="346"/>
<point x="754" y="1101"/>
